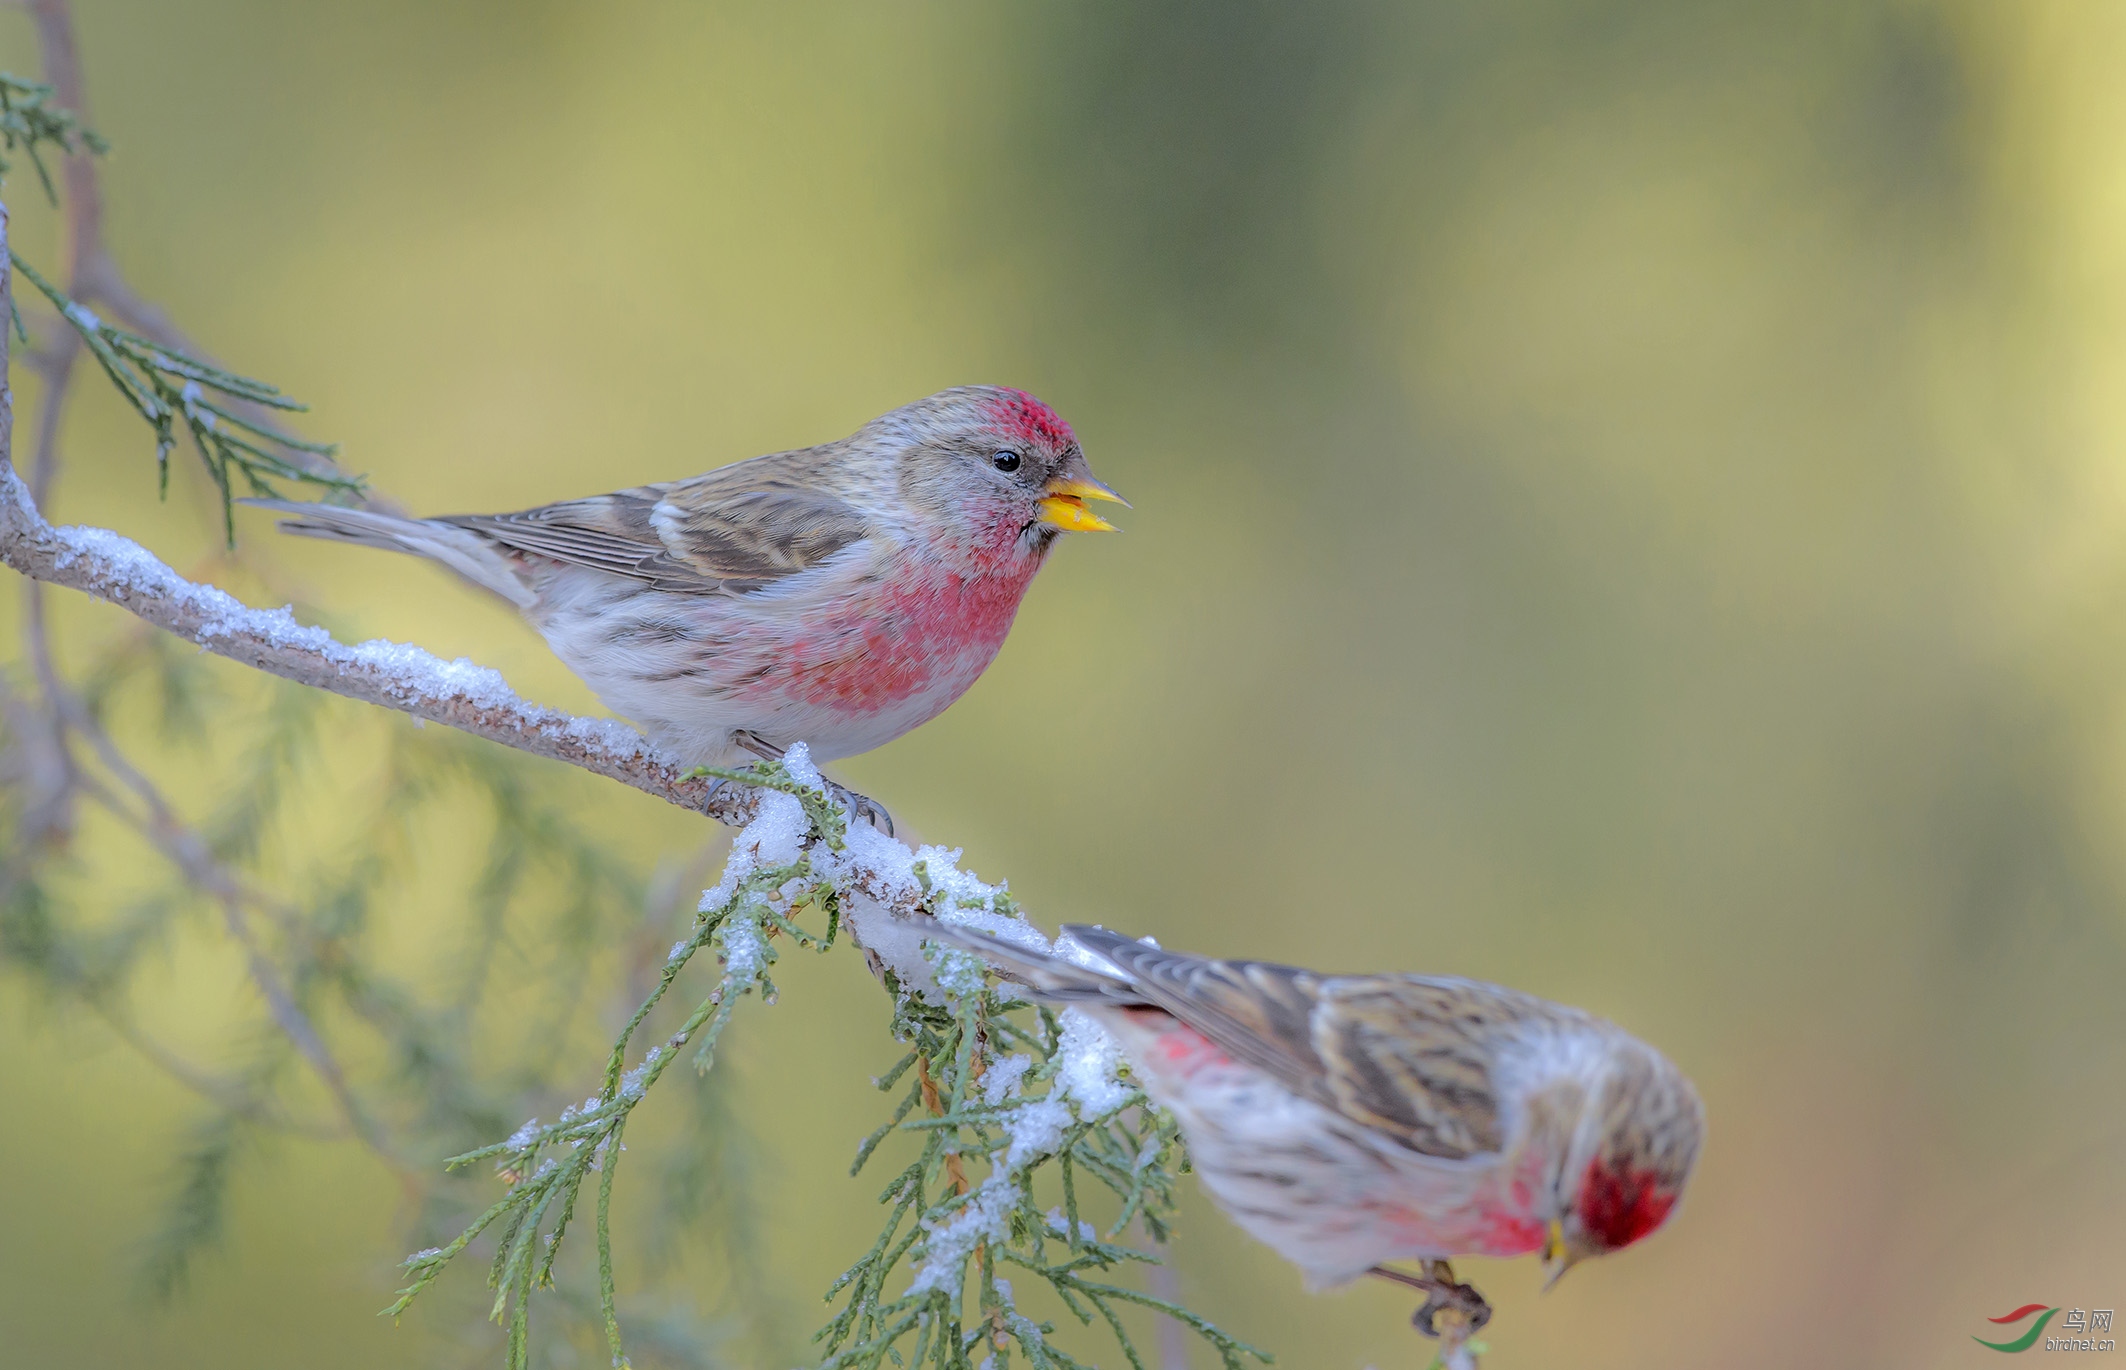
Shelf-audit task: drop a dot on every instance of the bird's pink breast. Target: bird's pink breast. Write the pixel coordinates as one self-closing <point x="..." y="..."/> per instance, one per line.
<point x="1183" y="1051"/>
<point x="1499" y="1219"/>
<point x="932" y="631"/>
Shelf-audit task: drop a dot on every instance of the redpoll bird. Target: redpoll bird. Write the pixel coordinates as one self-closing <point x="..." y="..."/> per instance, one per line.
<point x="1348" y="1120"/>
<point x="837" y="595"/>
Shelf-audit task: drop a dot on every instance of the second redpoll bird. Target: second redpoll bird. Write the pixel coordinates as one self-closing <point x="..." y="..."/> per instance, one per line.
<point x="1351" y="1120"/>
<point x="837" y="595"/>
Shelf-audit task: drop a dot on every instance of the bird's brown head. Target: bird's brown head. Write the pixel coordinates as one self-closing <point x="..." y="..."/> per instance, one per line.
<point x="994" y="468"/>
<point x="1635" y="1147"/>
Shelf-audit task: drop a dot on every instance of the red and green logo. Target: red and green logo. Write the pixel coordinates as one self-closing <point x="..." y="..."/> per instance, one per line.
<point x="2029" y="1338"/>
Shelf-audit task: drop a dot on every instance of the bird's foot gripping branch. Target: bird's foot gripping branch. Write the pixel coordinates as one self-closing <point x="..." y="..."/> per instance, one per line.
<point x="1020" y="1126"/>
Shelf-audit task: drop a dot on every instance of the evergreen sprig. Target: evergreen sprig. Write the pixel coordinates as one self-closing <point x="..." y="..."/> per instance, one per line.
<point x="1131" y="1149"/>
<point x="437" y="1068"/>
<point x="547" y="1166"/>
<point x="28" y="117"/>
<point x="166" y="388"/>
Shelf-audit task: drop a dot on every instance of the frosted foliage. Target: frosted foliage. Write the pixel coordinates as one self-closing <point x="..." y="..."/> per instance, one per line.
<point x="873" y="875"/>
<point x="1033" y="1131"/>
<point x="982" y="1218"/>
<point x="743" y="951"/>
<point x="631" y="1084"/>
<point x="775" y="837"/>
<point x="1086" y="1073"/>
<point x="1036" y="1130"/>
<point x="1059" y="1223"/>
<point x="959" y="974"/>
<point x="873" y="864"/>
<point x="1004" y="1078"/>
<point x="798" y="762"/>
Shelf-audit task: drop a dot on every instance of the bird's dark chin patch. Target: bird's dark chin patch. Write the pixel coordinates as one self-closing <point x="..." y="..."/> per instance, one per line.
<point x="1037" y="537"/>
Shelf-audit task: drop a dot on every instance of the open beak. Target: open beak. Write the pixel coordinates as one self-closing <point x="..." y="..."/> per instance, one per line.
<point x="1559" y="1255"/>
<point x="1063" y="504"/>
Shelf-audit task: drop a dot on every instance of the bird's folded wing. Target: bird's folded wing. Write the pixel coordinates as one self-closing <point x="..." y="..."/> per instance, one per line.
<point x="733" y="532"/>
<point x="1413" y="1057"/>
<point x="1403" y="1054"/>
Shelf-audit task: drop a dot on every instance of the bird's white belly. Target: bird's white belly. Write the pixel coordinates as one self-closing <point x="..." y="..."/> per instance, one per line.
<point x="693" y="669"/>
<point x="1328" y="1194"/>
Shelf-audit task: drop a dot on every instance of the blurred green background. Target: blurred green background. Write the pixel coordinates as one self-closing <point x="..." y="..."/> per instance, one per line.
<point x="1630" y="503"/>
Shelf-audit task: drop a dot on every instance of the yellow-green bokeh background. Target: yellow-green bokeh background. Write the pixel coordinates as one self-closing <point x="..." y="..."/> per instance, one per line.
<point x="1630" y="503"/>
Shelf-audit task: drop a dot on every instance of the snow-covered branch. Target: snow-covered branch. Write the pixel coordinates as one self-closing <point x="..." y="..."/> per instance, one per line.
<point x="457" y="693"/>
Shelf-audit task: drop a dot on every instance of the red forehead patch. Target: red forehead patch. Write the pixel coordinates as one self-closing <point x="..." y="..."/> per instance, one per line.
<point x="1619" y="1205"/>
<point x="1022" y="417"/>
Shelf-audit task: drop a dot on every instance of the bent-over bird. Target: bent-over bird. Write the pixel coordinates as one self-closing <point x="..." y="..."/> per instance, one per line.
<point x="1351" y="1120"/>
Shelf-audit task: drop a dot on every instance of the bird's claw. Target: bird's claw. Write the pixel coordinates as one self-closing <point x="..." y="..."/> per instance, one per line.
<point x="859" y="805"/>
<point x="862" y="806"/>
<point x="1452" y="1310"/>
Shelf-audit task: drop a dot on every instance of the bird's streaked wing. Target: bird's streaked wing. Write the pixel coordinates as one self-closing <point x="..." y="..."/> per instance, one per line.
<point x="735" y="529"/>
<point x="1402" y="1053"/>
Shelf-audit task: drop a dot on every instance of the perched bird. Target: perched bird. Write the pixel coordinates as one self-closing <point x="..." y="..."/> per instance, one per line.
<point x="838" y="595"/>
<point x="1350" y="1120"/>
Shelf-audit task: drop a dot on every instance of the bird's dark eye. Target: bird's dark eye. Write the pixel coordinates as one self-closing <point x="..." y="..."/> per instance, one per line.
<point x="1005" y="461"/>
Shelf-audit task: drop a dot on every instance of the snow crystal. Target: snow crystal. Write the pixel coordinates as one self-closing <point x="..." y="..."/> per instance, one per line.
<point x="960" y="974"/>
<point x="775" y="837"/>
<point x="982" y="1218"/>
<point x="798" y="762"/>
<point x="1059" y="1224"/>
<point x="83" y="318"/>
<point x="575" y="1111"/>
<point x="522" y="1137"/>
<point x="1036" y="1129"/>
<point x="678" y="950"/>
<point x="952" y="890"/>
<point x="1004" y="1078"/>
<point x="743" y="951"/>
<point x="896" y="942"/>
<point x="1087" y="1057"/>
<point x="779" y="830"/>
<point x="631" y="1085"/>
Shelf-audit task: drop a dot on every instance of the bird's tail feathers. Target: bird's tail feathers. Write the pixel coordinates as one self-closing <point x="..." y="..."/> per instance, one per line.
<point x="1056" y="977"/>
<point x="462" y="551"/>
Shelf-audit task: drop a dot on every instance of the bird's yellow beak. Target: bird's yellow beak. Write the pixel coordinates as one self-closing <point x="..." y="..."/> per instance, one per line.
<point x="1063" y="504"/>
<point x="1559" y="1255"/>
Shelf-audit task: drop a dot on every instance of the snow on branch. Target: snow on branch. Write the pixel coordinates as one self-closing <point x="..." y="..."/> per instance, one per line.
<point x="459" y="694"/>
